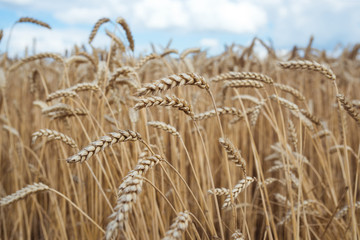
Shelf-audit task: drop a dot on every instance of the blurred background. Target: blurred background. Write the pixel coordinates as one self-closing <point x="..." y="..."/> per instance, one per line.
<point x="209" y="24"/>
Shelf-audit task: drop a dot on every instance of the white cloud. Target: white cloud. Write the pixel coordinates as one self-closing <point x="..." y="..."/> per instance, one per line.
<point x="55" y="40"/>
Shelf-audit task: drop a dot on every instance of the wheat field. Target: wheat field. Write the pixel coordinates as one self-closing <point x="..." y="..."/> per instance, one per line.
<point x="103" y="144"/>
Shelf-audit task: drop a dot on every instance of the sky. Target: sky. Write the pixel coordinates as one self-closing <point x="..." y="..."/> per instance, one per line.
<point x="208" y="24"/>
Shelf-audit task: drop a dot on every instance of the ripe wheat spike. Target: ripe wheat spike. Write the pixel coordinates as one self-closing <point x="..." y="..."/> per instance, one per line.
<point x="172" y="81"/>
<point x="34" y="21"/>
<point x="105" y="141"/>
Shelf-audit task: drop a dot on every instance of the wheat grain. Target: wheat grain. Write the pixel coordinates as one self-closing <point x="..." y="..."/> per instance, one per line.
<point x="22" y="193"/>
<point x="96" y="27"/>
<point x="105" y="141"/>
<point x="52" y="134"/>
<point x="309" y="65"/>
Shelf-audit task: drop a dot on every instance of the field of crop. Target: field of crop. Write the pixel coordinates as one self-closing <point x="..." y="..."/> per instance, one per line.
<point x="102" y="144"/>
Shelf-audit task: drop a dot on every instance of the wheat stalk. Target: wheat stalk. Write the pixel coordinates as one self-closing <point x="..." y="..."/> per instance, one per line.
<point x="96" y="27"/>
<point x="172" y="81"/>
<point x="22" y="193"/>
<point x="105" y="141"/>
<point x="309" y="65"/>
<point x="173" y="101"/>
<point x="168" y="51"/>
<point x="52" y="134"/>
<point x="178" y="227"/>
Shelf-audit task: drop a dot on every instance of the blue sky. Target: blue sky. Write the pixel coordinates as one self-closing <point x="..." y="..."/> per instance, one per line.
<point x="209" y="24"/>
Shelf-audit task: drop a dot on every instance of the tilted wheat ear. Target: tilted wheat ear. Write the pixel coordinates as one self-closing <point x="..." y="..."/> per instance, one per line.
<point x="309" y="65"/>
<point x="34" y="21"/>
<point x="34" y="188"/>
<point x="178" y="227"/>
<point x="173" y="81"/>
<point x="102" y="143"/>
<point x="173" y="101"/>
<point x="96" y="27"/>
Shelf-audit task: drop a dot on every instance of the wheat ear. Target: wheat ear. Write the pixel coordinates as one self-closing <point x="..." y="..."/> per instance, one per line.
<point x="52" y="134"/>
<point x="239" y="187"/>
<point x="310" y="116"/>
<point x="286" y="103"/>
<point x="36" y="57"/>
<point x="178" y="227"/>
<point x="219" y="191"/>
<point x="1" y="34"/>
<point x="66" y="93"/>
<point x="34" y="21"/>
<point x="246" y="83"/>
<point x="243" y="75"/>
<point x="189" y="51"/>
<point x="22" y="193"/>
<point x="128" y="33"/>
<point x="168" y="51"/>
<point x="116" y="40"/>
<point x="127" y="194"/>
<point x="173" y="101"/>
<point x="96" y="27"/>
<point x="166" y="127"/>
<point x="173" y="81"/>
<point x="349" y="108"/>
<point x="102" y="143"/>
<point x="233" y="154"/>
<point x="145" y="60"/>
<point x="309" y="65"/>
<point x="286" y="88"/>
<point x="237" y="235"/>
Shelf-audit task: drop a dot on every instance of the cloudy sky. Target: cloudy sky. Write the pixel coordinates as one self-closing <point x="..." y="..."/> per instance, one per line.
<point x="209" y="24"/>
